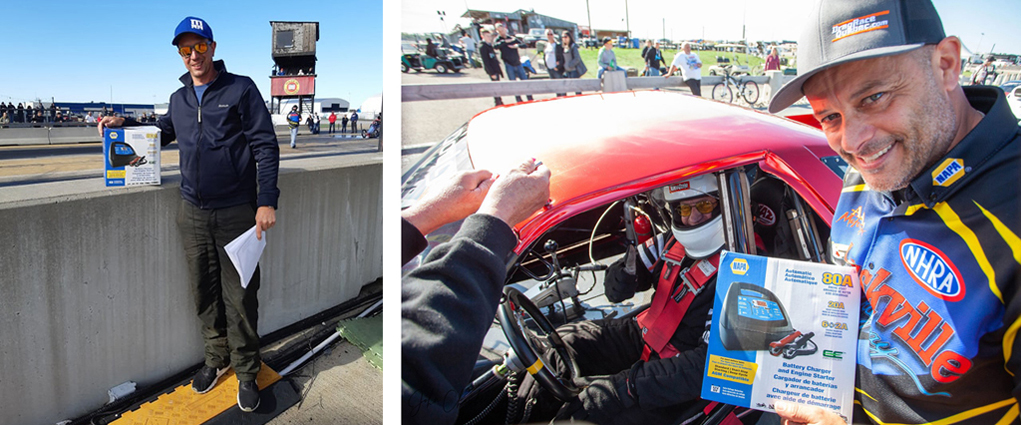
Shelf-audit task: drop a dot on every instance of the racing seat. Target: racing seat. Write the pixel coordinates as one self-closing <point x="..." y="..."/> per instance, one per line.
<point x="771" y="198"/>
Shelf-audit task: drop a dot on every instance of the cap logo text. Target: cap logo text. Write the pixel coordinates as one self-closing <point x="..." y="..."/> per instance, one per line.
<point x="196" y="24"/>
<point x="860" y="25"/>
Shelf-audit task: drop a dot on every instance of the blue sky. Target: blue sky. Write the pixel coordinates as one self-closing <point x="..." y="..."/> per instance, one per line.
<point x="722" y="19"/>
<point x="77" y="51"/>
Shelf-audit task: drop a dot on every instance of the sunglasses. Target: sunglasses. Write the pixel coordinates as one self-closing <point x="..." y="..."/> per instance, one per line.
<point x="704" y="207"/>
<point x="201" y="48"/>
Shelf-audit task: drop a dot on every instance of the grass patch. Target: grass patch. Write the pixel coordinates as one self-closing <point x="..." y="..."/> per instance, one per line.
<point x="632" y="58"/>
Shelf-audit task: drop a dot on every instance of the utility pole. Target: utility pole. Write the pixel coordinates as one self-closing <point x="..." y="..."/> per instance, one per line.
<point x="628" y="18"/>
<point x="588" y="12"/>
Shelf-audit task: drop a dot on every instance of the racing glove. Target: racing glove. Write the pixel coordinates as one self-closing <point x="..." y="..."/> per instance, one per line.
<point x="602" y="400"/>
<point x="621" y="280"/>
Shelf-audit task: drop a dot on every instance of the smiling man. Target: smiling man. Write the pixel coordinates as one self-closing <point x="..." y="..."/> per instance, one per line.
<point x="929" y="214"/>
<point x="229" y="161"/>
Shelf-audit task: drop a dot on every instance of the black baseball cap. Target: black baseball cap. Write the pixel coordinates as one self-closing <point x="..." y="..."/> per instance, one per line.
<point x="841" y="31"/>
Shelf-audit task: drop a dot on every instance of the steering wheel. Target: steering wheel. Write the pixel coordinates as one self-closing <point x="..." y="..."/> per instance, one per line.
<point x="526" y="342"/>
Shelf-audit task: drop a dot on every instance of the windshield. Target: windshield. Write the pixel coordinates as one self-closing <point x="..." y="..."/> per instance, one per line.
<point x="438" y="164"/>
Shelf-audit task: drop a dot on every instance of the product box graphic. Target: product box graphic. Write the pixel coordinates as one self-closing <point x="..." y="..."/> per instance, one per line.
<point x="783" y="330"/>
<point x="132" y="156"/>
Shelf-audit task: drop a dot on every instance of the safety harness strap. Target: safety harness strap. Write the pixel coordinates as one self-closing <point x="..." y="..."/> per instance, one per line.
<point x="674" y="293"/>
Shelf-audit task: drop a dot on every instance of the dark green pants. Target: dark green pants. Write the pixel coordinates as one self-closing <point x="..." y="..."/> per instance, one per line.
<point x="228" y="312"/>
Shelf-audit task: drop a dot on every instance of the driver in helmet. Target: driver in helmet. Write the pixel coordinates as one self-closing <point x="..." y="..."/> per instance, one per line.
<point x="648" y="369"/>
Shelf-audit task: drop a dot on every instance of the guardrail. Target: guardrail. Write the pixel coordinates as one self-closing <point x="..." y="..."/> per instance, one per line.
<point x="613" y="81"/>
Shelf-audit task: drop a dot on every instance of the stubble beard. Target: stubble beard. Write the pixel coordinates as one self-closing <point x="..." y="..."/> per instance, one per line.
<point x="933" y="125"/>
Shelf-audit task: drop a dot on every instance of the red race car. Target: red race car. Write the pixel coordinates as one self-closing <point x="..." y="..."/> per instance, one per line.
<point x="779" y="182"/>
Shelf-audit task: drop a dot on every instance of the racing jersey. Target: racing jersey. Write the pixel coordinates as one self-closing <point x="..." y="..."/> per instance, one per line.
<point x="939" y="268"/>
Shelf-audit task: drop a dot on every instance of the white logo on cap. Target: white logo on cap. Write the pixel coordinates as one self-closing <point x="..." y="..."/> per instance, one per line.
<point x="196" y="24"/>
<point x="860" y="25"/>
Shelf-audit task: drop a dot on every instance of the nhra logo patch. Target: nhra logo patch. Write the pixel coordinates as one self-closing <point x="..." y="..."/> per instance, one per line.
<point x="931" y="268"/>
<point x="950" y="171"/>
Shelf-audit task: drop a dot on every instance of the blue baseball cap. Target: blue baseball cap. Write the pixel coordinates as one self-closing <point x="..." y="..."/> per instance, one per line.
<point x="195" y="26"/>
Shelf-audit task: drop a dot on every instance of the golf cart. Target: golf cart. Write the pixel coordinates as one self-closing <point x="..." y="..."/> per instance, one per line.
<point x="413" y="59"/>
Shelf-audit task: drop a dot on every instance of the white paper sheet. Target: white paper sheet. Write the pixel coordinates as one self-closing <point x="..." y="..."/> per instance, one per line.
<point x="244" y="252"/>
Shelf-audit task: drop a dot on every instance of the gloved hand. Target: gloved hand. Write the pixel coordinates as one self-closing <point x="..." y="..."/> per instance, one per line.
<point x="620" y="280"/>
<point x="603" y="398"/>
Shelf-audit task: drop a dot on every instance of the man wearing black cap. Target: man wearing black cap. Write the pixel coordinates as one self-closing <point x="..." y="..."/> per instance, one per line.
<point x="929" y="214"/>
<point x="229" y="160"/>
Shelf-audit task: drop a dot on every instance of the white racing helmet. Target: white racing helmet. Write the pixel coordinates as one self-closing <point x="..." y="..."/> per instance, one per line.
<point x="704" y="239"/>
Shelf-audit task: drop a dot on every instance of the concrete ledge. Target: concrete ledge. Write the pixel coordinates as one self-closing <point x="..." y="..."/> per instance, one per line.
<point x="92" y="292"/>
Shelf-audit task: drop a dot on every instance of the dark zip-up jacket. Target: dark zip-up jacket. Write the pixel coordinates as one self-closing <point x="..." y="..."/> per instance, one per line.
<point x="225" y="142"/>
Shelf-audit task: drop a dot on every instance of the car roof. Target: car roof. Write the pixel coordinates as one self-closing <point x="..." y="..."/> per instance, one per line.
<point x="602" y="147"/>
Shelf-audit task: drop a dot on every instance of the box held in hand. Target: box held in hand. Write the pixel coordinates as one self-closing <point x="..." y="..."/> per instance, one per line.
<point x="131" y="156"/>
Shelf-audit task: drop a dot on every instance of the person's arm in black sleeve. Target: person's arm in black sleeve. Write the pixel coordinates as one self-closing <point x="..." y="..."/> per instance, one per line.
<point x="166" y="126"/>
<point x="447" y="305"/>
<point x="412" y="241"/>
<point x="258" y="128"/>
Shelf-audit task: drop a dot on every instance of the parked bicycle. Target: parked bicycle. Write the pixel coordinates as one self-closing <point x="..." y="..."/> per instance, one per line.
<point x="725" y="91"/>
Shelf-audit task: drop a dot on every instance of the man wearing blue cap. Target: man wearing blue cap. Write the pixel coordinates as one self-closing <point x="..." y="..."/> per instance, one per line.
<point x="929" y="214"/>
<point x="229" y="160"/>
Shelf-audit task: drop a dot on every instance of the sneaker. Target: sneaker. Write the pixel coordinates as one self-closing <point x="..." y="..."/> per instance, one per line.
<point x="206" y="378"/>
<point x="248" y="396"/>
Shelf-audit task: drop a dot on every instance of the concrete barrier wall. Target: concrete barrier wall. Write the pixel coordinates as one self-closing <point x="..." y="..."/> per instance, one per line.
<point x="93" y="294"/>
<point x="67" y="135"/>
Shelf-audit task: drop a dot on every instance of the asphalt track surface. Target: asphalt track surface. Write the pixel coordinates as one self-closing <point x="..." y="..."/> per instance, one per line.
<point x="21" y="165"/>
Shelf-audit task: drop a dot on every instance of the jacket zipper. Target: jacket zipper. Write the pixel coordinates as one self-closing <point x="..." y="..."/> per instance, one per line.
<point x="198" y="151"/>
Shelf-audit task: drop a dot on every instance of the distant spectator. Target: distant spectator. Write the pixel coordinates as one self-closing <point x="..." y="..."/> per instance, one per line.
<point x="333" y="120"/>
<point x="489" y="61"/>
<point x="430" y="48"/>
<point x="606" y="58"/>
<point x="310" y="122"/>
<point x="4" y="119"/>
<point x="469" y="47"/>
<point x="653" y="60"/>
<point x="773" y="60"/>
<point x="690" y="66"/>
<point x="38" y="118"/>
<point x="3" y="108"/>
<point x="316" y="124"/>
<point x="21" y="113"/>
<point x="574" y="67"/>
<point x="29" y="113"/>
<point x="982" y="75"/>
<point x="89" y="119"/>
<point x="509" y="46"/>
<point x="293" y="122"/>
<point x="645" y="50"/>
<point x="343" y="124"/>
<point x="554" y="56"/>
<point x="53" y="111"/>
<point x="354" y="122"/>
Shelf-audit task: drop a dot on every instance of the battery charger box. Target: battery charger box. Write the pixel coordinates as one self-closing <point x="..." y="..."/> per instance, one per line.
<point x="783" y="330"/>
<point x="132" y="156"/>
